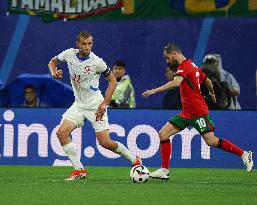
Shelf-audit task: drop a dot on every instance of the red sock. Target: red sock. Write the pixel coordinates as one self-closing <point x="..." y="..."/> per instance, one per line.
<point x="230" y="147"/>
<point x="165" y="153"/>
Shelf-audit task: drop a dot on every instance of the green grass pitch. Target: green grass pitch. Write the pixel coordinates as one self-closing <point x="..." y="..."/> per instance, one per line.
<point x="112" y="185"/>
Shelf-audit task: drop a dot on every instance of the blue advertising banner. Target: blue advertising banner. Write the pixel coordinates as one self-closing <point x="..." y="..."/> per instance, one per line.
<point x="27" y="137"/>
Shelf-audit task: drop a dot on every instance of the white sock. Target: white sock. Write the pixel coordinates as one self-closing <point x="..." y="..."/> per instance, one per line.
<point x="71" y="152"/>
<point x="244" y="154"/>
<point x="124" y="152"/>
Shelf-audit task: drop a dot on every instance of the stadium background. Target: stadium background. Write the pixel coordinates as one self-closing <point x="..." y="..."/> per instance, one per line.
<point x="28" y="42"/>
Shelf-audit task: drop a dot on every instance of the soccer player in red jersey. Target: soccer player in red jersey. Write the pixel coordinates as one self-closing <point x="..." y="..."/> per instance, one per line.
<point x="194" y="112"/>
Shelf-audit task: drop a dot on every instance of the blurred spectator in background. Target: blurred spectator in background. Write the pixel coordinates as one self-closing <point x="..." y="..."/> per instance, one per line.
<point x="216" y="68"/>
<point x="31" y="98"/>
<point x="221" y="89"/>
<point x="124" y="94"/>
<point x="172" y="98"/>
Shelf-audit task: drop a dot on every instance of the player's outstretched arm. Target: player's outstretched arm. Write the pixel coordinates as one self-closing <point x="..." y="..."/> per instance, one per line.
<point x="52" y="65"/>
<point x="171" y="84"/>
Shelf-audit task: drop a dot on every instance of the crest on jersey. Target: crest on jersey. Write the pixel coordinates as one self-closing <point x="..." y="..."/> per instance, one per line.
<point x="87" y="70"/>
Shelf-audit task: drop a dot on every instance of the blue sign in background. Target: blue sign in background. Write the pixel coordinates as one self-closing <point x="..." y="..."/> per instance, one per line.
<point x="137" y="129"/>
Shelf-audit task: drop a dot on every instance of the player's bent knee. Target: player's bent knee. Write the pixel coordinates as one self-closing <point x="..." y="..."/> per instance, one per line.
<point x="163" y="135"/>
<point x="210" y="142"/>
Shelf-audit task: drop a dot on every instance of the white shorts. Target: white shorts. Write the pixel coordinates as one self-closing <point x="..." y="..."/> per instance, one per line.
<point x="78" y="115"/>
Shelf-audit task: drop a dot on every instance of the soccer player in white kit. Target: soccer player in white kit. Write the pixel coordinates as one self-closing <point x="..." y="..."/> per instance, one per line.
<point x="85" y="69"/>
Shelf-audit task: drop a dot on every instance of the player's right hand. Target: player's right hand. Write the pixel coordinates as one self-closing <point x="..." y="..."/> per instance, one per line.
<point x="213" y="97"/>
<point x="148" y="93"/>
<point x="58" y="75"/>
<point x="100" y="111"/>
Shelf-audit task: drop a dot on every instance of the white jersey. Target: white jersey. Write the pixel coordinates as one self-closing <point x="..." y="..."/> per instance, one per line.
<point x="84" y="75"/>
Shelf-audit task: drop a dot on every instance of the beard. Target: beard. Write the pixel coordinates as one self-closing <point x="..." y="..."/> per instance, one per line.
<point x="173" y="65"/>
<point x="83" y="52"/>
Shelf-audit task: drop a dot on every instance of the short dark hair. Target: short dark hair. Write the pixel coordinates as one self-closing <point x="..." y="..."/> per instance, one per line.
<point x="170" y="47"/>
<point x="84" y="34"/>
<point x="119" y="63"/>
<point x="29" y="86"/>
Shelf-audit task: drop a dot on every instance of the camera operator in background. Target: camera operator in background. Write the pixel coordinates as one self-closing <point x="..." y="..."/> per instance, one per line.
<point x="225" y="85"/>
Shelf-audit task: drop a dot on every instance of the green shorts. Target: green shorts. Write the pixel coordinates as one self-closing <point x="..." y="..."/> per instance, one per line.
<point x="203" y="124"/>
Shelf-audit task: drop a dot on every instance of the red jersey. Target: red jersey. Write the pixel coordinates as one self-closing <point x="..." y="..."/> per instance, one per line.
<point x="193" y="103"/>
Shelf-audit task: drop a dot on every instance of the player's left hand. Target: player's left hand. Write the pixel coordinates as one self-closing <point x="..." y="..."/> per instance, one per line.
<point x="147" y="93"/>
<point x="100" y="111"/>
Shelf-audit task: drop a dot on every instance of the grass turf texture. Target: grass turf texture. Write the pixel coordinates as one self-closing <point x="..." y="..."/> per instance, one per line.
<point x="112" y="185"/>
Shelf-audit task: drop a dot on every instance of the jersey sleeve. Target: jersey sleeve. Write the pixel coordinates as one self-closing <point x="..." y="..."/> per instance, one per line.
<point x="62" y="57"/>
<point x="103" y="68"/>
<point x="182" y="72"/>
<point x="202" y="76"/>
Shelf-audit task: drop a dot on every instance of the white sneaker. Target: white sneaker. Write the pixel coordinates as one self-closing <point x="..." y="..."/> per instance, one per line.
<point x="159" y="174"/>
<point x="248" y="160"/>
